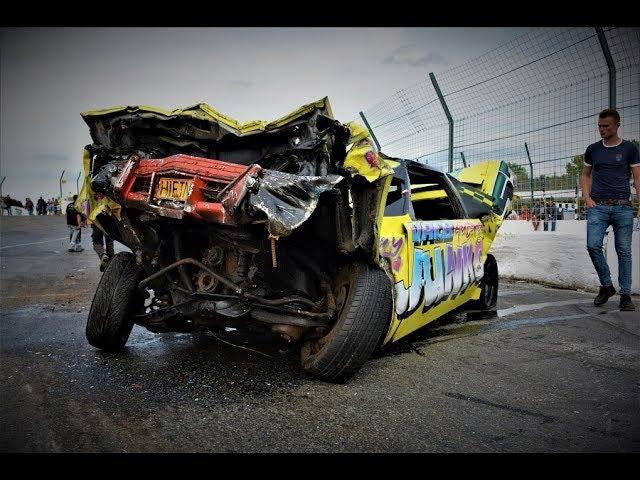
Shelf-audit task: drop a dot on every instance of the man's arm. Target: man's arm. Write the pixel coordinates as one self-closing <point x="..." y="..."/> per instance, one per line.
<point x="636" y="182"/>
<point x="586" y="186"/>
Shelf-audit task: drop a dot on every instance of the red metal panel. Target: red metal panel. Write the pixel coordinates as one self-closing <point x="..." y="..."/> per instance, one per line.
<point x="209" y="177"/>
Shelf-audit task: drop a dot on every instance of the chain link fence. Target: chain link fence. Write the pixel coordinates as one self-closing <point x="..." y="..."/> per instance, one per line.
<point x="533" y="102"/>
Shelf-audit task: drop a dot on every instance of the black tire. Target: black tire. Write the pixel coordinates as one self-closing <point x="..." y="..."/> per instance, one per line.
<point x="364" y="299"/>
<point x="116" y="299"/>
<point x="489" y="290"/>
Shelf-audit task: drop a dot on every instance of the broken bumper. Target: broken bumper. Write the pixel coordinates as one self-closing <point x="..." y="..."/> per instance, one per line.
<point x="182" y="186"/>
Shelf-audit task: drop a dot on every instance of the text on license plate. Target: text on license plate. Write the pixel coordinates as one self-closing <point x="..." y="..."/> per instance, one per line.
<point x="173" y="188"/>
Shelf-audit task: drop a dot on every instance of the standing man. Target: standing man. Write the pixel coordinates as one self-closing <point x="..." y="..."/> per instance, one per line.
<point x="536" y="214"/>
<point x="552" y="214"/>
<point x="7" y="204"/>
<point x="74" y="222"/>
<point x="41" y="206"/>
<point x="28" y="204"/>
<point x="608" y="166"/>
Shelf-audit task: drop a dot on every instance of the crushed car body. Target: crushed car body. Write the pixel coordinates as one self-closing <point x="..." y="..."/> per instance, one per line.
<point x="298" y="227"/>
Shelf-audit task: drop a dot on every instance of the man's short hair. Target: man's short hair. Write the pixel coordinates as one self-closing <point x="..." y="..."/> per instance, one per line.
<point x="610" y="112"/>
<point x="75" y="197"/>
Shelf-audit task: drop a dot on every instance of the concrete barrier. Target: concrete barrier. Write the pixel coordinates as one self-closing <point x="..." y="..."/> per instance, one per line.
<point x="558" y="258"/>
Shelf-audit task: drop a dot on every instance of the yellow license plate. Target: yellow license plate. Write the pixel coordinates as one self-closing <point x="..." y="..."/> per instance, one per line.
<point x="173" y="189"/>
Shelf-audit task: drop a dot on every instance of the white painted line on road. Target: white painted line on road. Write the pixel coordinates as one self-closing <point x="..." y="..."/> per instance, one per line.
<point x="521" y="322"/>
<point x="540" y="306"/>
<point x="506" y="293"/>
<point x="33" y="243"/>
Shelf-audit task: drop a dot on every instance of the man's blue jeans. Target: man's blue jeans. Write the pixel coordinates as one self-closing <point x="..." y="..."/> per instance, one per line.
<point x="620" y="217"/>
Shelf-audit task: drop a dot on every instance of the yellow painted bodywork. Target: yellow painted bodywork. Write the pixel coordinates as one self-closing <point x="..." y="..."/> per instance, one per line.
<point x="95" y="206"/>
<point x="398" y="250"/>
<point x="482" y="175"/>
<point x="202" y="111"/>
<point x="433" y="194"/>
<point x="356" y="162"/>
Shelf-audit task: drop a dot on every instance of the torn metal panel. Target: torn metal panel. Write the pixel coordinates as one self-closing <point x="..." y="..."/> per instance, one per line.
<point x="288" y="200"/>
<point x="363" y="157"/>
<point x="201" y="131"/>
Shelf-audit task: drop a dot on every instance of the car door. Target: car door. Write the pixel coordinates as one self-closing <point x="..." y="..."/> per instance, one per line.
<point x="435" y="249"/>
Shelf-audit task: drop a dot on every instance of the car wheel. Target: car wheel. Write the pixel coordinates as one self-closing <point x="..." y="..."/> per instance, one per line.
<point x="489" y="286"/>
<point x="116" y="299"/>
<point x="364" y="304"/>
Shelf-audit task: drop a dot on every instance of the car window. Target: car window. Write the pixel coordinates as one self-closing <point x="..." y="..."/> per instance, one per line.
<point x="430" y="197"/>
<point x="398" y="201"/>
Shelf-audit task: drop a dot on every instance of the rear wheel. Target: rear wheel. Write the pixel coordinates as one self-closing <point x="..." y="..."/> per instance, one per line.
<point x="364" y="302"/>
<point x="115" y="302"/>
<point x="489" y="290"/>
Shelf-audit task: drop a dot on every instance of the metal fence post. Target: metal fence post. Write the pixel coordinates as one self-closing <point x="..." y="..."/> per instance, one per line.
<point x="612" y="67"/>
<point x="526" y="147"/>
<point x="464" y="162"/>
<point x="449" y="118"/>
<point x="2" y="210"/>
<point x="77" y="179"/>
<point x="61" y="175"/>
<point x="375" y="140"/>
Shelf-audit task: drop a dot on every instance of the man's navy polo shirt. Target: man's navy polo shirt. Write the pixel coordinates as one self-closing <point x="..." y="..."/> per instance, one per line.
<point x="611" y="169"/>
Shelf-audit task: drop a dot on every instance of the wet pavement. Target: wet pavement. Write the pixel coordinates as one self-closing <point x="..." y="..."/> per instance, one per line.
<point x="547" y="372"/>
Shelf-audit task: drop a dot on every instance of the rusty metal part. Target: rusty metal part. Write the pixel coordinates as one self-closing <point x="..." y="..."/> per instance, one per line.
<point x="177" y="250"/>
<point x="262" y="301"/>
<point x="212" y="257"/>
<point x="215" y="295"/>
<point x="274" y="260"/>
<point x="288" y="332"/>
<point x="191" y="261"/>
<point x="205" y="282"/>
<point x="278" y="301"/>
<point x="321" y="316"/>
<point x="280" y="319"/>
<point x="222" y="192"/>
<point x="241" y="243"/>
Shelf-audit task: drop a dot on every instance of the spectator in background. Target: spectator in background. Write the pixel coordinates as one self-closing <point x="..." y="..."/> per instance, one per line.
<point x="550" y="215"/>
<point x="608" y="167"/>
<point x="6" y="204"/>
<point x="525" y="213"/>
<point x="41" y="206"/>
<point x="28" y="204"/>
<point x="75" y="224"/>
<point x="536" y="214"/>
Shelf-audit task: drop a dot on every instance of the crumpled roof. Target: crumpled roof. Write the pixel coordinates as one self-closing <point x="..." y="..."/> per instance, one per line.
<point x="199" y="121"/>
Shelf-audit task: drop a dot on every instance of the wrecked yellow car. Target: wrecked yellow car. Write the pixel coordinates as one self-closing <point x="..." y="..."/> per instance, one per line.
<point x="298" y="227"/>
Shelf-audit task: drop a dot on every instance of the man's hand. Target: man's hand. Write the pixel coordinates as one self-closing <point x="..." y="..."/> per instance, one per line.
<point x="589" y="202"/>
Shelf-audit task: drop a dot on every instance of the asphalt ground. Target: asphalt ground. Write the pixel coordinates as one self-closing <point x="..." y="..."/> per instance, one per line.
<point x="549" y="372"/>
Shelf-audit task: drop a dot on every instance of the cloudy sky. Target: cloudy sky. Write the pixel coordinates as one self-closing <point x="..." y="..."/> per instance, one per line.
<point x="49" y="75"/>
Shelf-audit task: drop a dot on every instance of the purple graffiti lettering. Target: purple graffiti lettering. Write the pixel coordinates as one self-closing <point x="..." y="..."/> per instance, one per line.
<point x="391" y="248"/>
